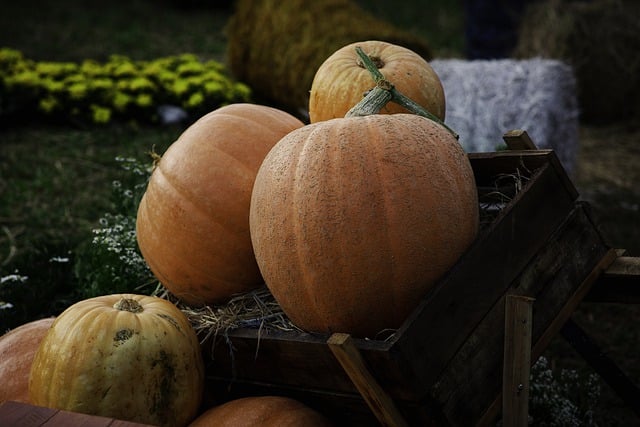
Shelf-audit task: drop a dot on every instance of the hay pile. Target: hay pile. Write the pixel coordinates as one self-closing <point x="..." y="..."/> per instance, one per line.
<point x="600" y="39"/>
<point x="276" y="46"/>
<point x="486" y="98"/>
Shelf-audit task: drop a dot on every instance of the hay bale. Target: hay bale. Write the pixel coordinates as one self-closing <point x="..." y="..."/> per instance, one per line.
<point x="486" y="98"/>
<point x="276" y="46"/>
<point x="600" y="39"/>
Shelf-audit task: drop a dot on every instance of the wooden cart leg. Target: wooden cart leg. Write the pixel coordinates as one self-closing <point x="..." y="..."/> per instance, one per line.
<point x="378" y="400"/>
<point x="517" y="360"/>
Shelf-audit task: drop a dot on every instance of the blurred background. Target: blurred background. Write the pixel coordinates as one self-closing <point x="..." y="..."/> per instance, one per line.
<point x="63" y="176"/>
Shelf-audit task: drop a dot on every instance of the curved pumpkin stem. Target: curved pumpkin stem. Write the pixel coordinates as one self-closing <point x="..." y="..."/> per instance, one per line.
<point x="385" y="91"/>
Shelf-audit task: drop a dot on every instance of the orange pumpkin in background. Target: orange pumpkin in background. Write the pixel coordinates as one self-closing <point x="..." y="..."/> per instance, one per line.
<point x="193" y="220"/>
<point x="342" y="81"/>
<point x="353" y="220"/>
<point x="17" y="348"/>
<point x="261" y="411"/>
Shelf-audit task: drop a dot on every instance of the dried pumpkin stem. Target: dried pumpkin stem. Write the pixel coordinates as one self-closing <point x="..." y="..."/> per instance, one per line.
<point x="128" y="304"/>
<point x="385" y="91"/>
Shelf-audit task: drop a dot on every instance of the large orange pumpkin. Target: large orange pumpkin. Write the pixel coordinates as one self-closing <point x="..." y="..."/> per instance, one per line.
<point x="342" y="81"/>
<point x="17" y="348"/>
<point x="353" y="220"/>
<point x="261" y="411"/>
<point x="124" y="356"/>
<point x="193" y="220"/>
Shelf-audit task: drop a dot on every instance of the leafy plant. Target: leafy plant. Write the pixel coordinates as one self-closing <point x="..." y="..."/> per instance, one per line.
<point x="120" y="88"/>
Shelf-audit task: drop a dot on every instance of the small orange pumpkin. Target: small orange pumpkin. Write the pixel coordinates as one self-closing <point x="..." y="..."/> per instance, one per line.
<point x="17" y="348"/>
<point x="193" y="220"/>
<point x="342" y="81"/>
<point x="353" y="220"/>
<point x="124" y="356"/>
<point x="261" y="411"/>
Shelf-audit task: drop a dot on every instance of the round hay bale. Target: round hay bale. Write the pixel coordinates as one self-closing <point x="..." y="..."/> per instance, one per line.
<point x="276" y="46"/>
<point x="600" y="39"/>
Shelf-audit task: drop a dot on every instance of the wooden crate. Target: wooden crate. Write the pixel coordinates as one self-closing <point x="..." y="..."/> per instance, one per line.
<point x="444" y="365"/>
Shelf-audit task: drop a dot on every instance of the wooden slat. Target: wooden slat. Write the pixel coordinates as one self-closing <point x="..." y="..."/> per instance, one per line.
<point x="377" y="399"/>
<point x="19" y="414"/>
<point x="517" y="360"/>
<point x="65" y="418"/>
<point x="620" y="283"/>
<point x="518" y="139"/>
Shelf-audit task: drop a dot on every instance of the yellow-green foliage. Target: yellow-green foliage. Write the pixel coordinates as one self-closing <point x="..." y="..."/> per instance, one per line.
<point x="117" y="89"/>
<point x="276" y="46"/>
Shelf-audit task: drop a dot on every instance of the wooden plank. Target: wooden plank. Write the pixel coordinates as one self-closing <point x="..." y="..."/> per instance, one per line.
<point x="626" y="389"/>
<point x="20" y="414"/>
<point x="517" y="360"/>
<point x="65" y="418"/>
<point x="620" y="283"/>
<point x="377" y="399"/>
<point x="518" y="139"/>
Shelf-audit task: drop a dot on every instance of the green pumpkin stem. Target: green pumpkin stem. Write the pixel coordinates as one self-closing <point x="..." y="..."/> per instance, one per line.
<point x="383" y="92"/>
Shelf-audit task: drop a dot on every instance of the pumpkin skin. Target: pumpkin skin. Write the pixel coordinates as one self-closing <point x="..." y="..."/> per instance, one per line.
<point x="341" y="82"/>
<point x="353" y="220"/>
<point x="193" y="220"/>
<point x="124" y="356"/>
<point x="261" y="411"/>
<point x="17" y="348"/>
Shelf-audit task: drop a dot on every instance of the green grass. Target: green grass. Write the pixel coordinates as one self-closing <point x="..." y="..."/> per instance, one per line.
<point x="56" y="184"/>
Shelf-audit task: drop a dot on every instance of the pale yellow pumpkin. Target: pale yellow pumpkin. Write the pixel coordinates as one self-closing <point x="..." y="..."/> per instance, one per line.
<point x="129" y="357"/>
<point x="342" y="80"/>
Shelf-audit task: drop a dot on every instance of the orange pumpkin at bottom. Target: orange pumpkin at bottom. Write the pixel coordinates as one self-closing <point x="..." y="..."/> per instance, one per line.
<point x="261" y="411"/>
<point x="17" y="348"/>
<point x="353" y="220"/>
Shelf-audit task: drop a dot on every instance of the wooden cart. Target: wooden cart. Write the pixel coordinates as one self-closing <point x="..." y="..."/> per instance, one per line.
<point x="444" y="366"/>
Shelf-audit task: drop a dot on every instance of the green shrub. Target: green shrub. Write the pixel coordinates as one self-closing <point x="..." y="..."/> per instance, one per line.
<point x="123" y="89"/>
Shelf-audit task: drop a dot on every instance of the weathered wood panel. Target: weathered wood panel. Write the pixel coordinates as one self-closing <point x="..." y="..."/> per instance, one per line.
<point x="551" y="278"/>
<point x="18" y="414"/>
